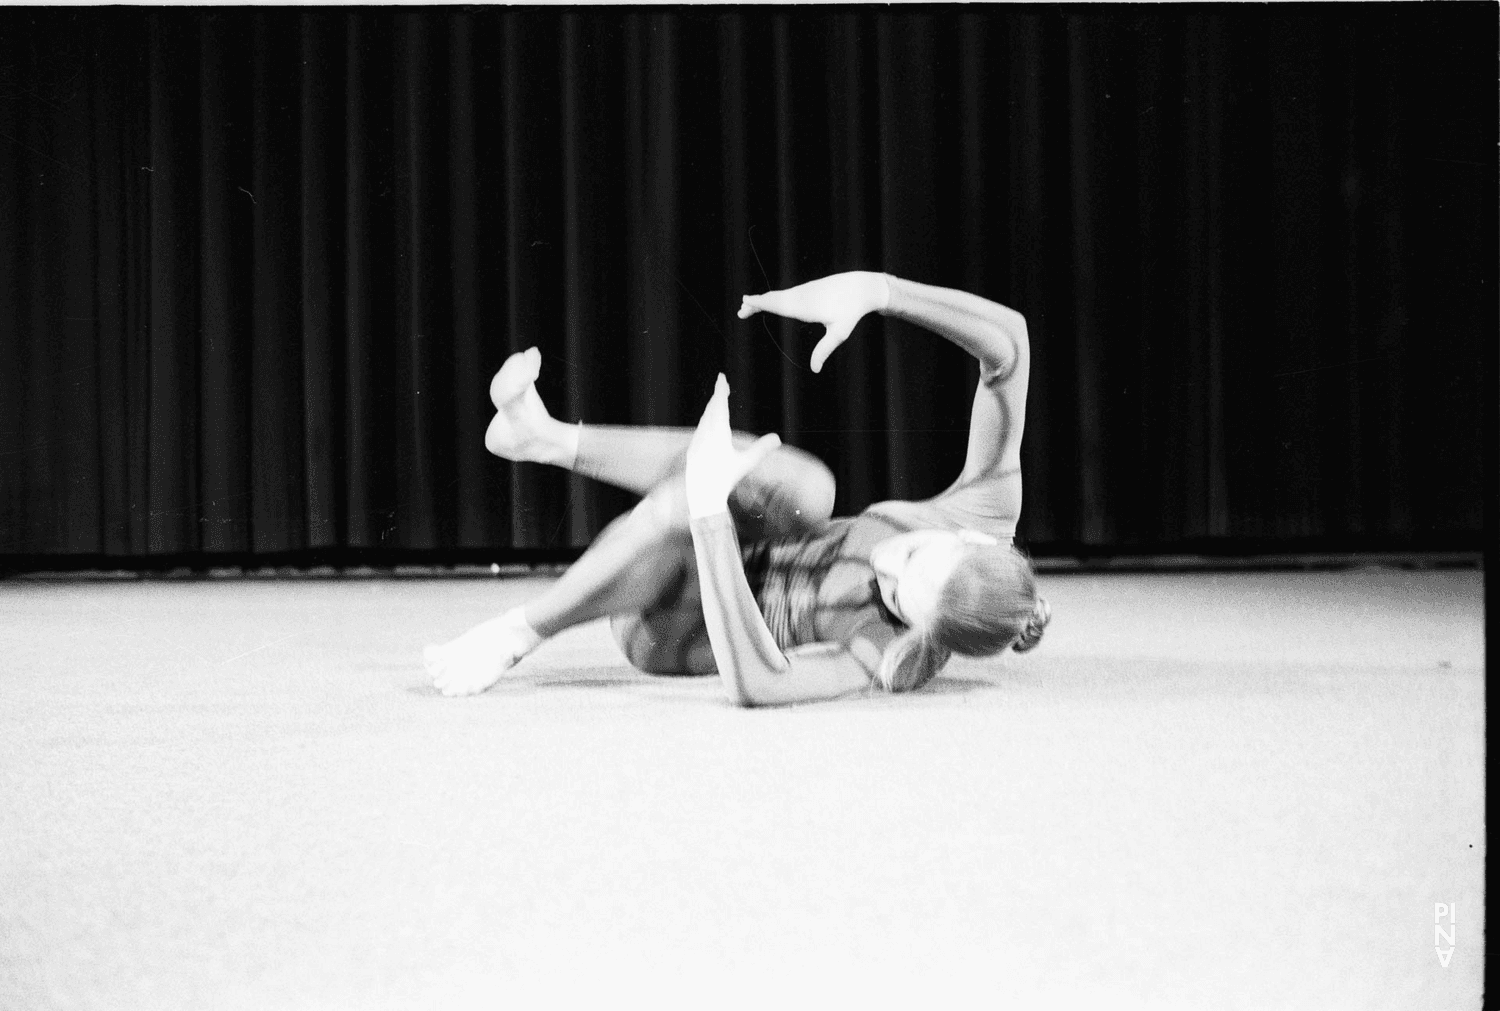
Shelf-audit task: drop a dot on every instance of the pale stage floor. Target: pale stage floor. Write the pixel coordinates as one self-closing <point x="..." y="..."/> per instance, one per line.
<point x="1211" y="790"/>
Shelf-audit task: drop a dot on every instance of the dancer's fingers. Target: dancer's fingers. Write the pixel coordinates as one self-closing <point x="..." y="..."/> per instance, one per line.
<point x="779" y="302"/>
<point x="719" y="405"/>
<point x="766" y="444"/>
<point x="756" y="452"/>
<point x="717" y="410"/>
<point x="712" y="432"/>
<point x="835" y="335"/>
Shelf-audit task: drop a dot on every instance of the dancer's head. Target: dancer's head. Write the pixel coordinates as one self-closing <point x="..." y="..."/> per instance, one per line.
<point x="957" y="593"/>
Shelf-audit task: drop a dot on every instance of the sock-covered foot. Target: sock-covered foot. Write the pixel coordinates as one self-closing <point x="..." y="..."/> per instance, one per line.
<point x="475" y="660"/>
<point x="522" y="429"/>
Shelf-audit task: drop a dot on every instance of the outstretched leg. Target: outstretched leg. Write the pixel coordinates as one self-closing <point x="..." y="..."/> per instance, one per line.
<point x="632" y="567"/>
<point x="790" y="491"/>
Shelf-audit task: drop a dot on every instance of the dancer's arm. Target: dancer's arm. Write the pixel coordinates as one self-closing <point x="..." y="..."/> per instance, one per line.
<point x="987" y="492"/>
<point x="996" y="336"/>
<point x="754" y="670"/>
<point x="986" y="496"/>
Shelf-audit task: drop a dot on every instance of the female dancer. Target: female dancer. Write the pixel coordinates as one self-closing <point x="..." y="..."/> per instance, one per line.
<point x="731" y="563"/>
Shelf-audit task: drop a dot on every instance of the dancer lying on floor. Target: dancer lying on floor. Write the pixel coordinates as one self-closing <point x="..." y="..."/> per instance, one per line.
<point x="731" y="562"/>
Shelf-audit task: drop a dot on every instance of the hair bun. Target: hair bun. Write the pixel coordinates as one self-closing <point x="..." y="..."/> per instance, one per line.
<point x="1032" y="633"/>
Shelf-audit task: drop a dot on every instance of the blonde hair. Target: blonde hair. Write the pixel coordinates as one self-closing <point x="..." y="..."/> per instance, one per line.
<point x="989" y="602"/>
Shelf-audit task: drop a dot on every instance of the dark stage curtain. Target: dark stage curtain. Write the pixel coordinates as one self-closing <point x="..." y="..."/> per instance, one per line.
<point x="257" y="266"/>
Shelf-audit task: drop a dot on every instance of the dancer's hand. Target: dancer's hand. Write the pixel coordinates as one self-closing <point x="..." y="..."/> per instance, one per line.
<point x="838" y="301"/>
<point x="714" y="465"/>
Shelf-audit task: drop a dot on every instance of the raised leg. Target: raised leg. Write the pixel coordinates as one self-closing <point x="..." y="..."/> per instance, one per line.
<point x="791" y="491"/>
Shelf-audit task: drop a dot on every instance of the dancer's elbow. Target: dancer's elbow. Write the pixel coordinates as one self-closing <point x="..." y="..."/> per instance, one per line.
<point x="751" y="687"/>
<point x="739" y="693"/>
<point x="1010" y="351"/>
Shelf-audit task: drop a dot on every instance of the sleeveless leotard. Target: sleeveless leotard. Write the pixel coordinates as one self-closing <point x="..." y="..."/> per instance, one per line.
<point x="821" y="588"/>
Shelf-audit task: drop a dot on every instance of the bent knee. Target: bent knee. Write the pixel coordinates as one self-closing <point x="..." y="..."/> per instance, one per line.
<point x="791" y="490"/>
<point x="810" y="488"/>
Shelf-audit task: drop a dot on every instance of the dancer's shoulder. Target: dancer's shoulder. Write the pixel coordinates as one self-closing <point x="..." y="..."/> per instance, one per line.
<point x="975" y="508"/>
<point x="900" y="516"/>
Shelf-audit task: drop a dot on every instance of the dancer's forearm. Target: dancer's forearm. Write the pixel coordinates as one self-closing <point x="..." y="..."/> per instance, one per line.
<point x="744" y="649"/>
<point x="753" y="668"/>
<point x="993" y="333"/>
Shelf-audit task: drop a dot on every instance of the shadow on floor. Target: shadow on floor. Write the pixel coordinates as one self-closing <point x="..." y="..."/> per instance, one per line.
<point x="618" y="676"/>
<point x="573" y="677"/>
<point x="945" y="684"/>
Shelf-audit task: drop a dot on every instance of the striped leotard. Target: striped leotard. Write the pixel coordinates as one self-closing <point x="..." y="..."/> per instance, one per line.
<point x="821" y="588"/>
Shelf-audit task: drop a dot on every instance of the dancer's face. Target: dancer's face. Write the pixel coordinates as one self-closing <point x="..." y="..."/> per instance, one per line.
<point x="911" y="569"/>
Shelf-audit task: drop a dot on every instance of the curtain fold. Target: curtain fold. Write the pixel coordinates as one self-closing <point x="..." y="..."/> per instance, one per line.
<point x="257" y="266"/>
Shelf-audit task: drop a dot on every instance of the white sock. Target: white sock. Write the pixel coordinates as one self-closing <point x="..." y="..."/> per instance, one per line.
<point x="515" y="619"/>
